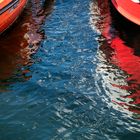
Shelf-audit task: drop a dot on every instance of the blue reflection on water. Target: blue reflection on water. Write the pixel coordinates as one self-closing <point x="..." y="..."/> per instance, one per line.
<point x="61" y="100"/>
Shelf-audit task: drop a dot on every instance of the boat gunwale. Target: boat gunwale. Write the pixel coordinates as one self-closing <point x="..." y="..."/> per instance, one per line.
<point x="11" y="4"/>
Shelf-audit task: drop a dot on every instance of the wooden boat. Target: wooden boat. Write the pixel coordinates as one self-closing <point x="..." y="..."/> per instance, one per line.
<point x="129" y="9"/>
<point x="9" y="12"/>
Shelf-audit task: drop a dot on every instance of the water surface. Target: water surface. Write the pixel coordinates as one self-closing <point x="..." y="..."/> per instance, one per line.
<point x="71" y="73"/>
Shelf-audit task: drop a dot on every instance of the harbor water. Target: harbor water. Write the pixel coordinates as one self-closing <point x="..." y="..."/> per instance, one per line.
<point x="69" y="70"/>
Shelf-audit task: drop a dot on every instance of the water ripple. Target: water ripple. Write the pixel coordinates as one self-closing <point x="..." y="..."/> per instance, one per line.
<point x="72" y="91"/>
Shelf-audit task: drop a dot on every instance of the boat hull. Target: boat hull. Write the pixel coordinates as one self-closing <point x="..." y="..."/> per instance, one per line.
<point x="10" y="12"/>
<point x="128" y="9"/>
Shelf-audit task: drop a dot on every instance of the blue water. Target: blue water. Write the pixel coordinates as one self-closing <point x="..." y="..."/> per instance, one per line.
<point x="65" y="93"/>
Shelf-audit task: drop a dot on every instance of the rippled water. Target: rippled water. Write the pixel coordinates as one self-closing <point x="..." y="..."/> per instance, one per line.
<point x="70" y="70"/>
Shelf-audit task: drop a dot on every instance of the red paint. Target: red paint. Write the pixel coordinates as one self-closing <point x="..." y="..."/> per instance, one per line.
<point x="128" y="9"/>
<point x="11" y="14"/>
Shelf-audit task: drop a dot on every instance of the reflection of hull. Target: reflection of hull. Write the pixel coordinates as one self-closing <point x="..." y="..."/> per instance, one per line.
<point x="9" y="11"/>
<point x="22" y="42"/>
<point x="128" y="9"/>
<point x="118" y="66"/>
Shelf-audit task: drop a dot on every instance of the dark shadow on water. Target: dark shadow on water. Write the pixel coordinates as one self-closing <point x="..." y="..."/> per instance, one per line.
<point x="22" y="40"/>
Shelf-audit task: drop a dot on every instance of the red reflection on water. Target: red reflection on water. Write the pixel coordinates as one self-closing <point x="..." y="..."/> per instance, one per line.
<point x="124" y="44"/>
<point x="23" y="38"/>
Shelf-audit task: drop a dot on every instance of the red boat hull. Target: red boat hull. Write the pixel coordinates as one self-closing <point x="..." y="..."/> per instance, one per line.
<point x="9" y="12"/>
<point x="128" y="9"/>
